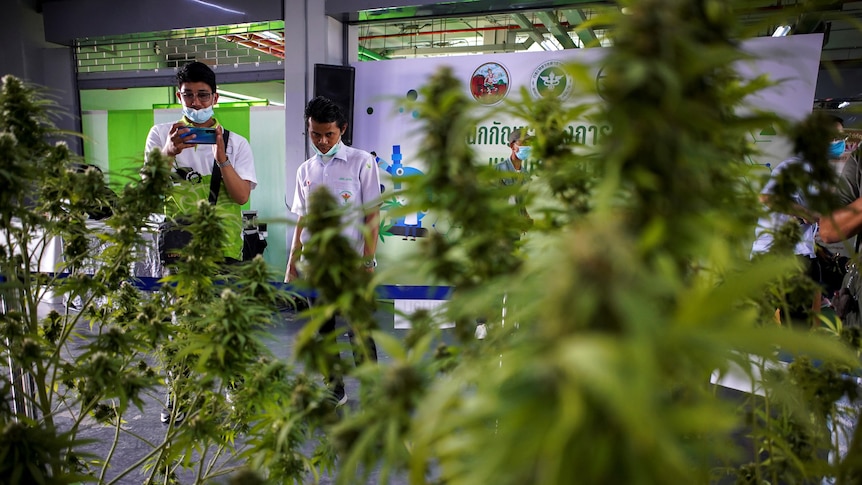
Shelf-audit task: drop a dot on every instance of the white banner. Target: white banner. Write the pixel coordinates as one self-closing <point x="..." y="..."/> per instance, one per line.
<point x="382" y="126"/>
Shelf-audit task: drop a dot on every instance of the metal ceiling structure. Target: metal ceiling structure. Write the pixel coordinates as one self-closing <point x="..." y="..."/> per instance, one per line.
<point x="433" y="30"/>
<point x="481" y="34"/>
<point x="456" y="28"/>
<point x="472" y="27"/>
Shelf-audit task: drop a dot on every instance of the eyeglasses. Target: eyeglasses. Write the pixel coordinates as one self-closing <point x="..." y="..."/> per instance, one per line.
<point x="190" y="97"/>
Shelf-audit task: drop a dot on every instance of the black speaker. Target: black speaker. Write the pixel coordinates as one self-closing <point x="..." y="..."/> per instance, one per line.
<point x="336" y="83"/>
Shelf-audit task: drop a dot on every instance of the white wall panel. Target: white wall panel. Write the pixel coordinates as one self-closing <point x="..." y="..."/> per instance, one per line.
<point x="266" y="124"/>
<point x="94" y="126"/>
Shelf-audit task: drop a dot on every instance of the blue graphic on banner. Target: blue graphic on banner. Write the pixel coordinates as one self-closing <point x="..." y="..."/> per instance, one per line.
<point x="408" y="226"/>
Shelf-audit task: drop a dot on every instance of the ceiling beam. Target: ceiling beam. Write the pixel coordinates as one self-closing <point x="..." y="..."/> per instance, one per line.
<point x="418" y="51"/>
<point x="529" y="27"/>
<point x="556" y="28"/>
<point x="243" y="73"/>
<point x="575" y="18"/>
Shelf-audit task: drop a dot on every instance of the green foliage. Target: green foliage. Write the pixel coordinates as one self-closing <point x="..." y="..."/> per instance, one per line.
<point x="632" y="287"/>
<point x="206" y="325"/>
<point x="607" y="313"/>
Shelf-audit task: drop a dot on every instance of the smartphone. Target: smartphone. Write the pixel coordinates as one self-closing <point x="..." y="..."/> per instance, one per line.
<point x="204" y="136"/>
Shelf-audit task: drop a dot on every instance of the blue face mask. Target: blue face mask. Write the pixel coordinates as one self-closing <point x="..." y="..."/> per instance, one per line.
<point x="332" y="151"/>
<point x="524" y="152"/>
<point x="198" y="115"/>
<point x="836" y="149"/>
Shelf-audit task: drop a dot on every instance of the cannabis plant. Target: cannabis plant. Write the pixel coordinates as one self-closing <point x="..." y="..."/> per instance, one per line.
<point x="633" y="286"/>
<point x="607" y="312"/>
<point x="46" y="199"/>
<point x="110" y="345"/>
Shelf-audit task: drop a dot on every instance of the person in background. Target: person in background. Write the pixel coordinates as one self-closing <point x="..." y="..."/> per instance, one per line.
<point x="798" y="212"/>
<point x="512" y="173"/>
<point x="513" y="169"/>
<point x="196" y="91"/>
<point x="832" y="257"/>
<point x="351" y="176"/>
<point x="844" y="226"/>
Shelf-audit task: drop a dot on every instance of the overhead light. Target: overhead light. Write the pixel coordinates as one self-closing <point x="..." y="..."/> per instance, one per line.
<point x="269" y="35"/>
<point x="241" y="97"/>
<point x="218" y="7"/>
<point x="781" y="31"/>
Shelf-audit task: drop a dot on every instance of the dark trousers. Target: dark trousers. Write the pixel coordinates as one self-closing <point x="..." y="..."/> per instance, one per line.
<point x="803" y="305"/>
<point x="358" y="357"/>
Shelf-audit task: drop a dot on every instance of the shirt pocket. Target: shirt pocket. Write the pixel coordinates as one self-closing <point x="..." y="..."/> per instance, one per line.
<point x="347" y="193"/>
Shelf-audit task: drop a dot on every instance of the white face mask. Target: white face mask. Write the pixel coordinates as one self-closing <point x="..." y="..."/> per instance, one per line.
<point x="198" y="115"/>
<point x="332" y="151"/>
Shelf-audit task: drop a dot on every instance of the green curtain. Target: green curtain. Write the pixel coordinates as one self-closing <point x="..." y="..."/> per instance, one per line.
<point x="235" y="119"/>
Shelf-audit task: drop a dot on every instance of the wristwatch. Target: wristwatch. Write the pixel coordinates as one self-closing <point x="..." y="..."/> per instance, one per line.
<point x="370" y="263"/>
<point x="224" y="164"/>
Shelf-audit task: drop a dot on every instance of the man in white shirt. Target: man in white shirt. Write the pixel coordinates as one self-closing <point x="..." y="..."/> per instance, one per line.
<point x="351" y="176"/>
<point x="196" y="90"/>
<point x="513" y="169"/>
<point x="797" y="212"/>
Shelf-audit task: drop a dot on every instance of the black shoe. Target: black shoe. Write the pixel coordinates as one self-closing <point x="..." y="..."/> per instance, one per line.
<point x="165" y="415"/>
<point x="338" y="395"/>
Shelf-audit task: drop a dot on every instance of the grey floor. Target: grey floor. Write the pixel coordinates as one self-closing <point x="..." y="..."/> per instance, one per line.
<point x="144" y="427"/>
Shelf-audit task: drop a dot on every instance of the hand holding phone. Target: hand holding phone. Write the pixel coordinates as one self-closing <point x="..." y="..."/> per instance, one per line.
<point x="203" y="136"/>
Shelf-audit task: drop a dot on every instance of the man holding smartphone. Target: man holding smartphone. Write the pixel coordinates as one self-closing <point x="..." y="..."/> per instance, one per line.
<point x="195" y="153"/>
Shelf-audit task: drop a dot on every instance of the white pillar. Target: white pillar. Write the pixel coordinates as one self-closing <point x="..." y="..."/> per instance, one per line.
<point x="310" y="37"/>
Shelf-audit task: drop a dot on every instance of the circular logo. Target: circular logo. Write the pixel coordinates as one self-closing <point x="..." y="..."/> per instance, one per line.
<point x="550" y="80"/>
<point x="600" y="82"/>
<point x="489" y="83"/>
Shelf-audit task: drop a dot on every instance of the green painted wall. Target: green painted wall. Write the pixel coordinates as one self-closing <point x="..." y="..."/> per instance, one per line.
<point x="236" y="120"/>
<point x="127" y="136"/>
<point x="125" y="99"/>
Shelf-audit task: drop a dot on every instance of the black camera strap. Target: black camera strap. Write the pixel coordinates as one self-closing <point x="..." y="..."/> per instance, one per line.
<point x="215" y="180"/>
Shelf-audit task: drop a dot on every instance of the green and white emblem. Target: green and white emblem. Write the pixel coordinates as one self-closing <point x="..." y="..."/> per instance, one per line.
<point x="550" y="80"/>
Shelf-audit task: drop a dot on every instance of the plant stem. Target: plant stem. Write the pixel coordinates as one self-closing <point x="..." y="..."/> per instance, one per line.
<point x="134" y="466"/>
<point x="113" y="448"/>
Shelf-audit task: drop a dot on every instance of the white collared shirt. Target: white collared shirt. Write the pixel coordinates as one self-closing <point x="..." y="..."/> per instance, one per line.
<point x="768" y="224"/>
<point x="352" y="177"/>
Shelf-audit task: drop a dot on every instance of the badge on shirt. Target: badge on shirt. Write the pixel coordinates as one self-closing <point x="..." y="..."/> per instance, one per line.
<point x="346" y="195"/>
